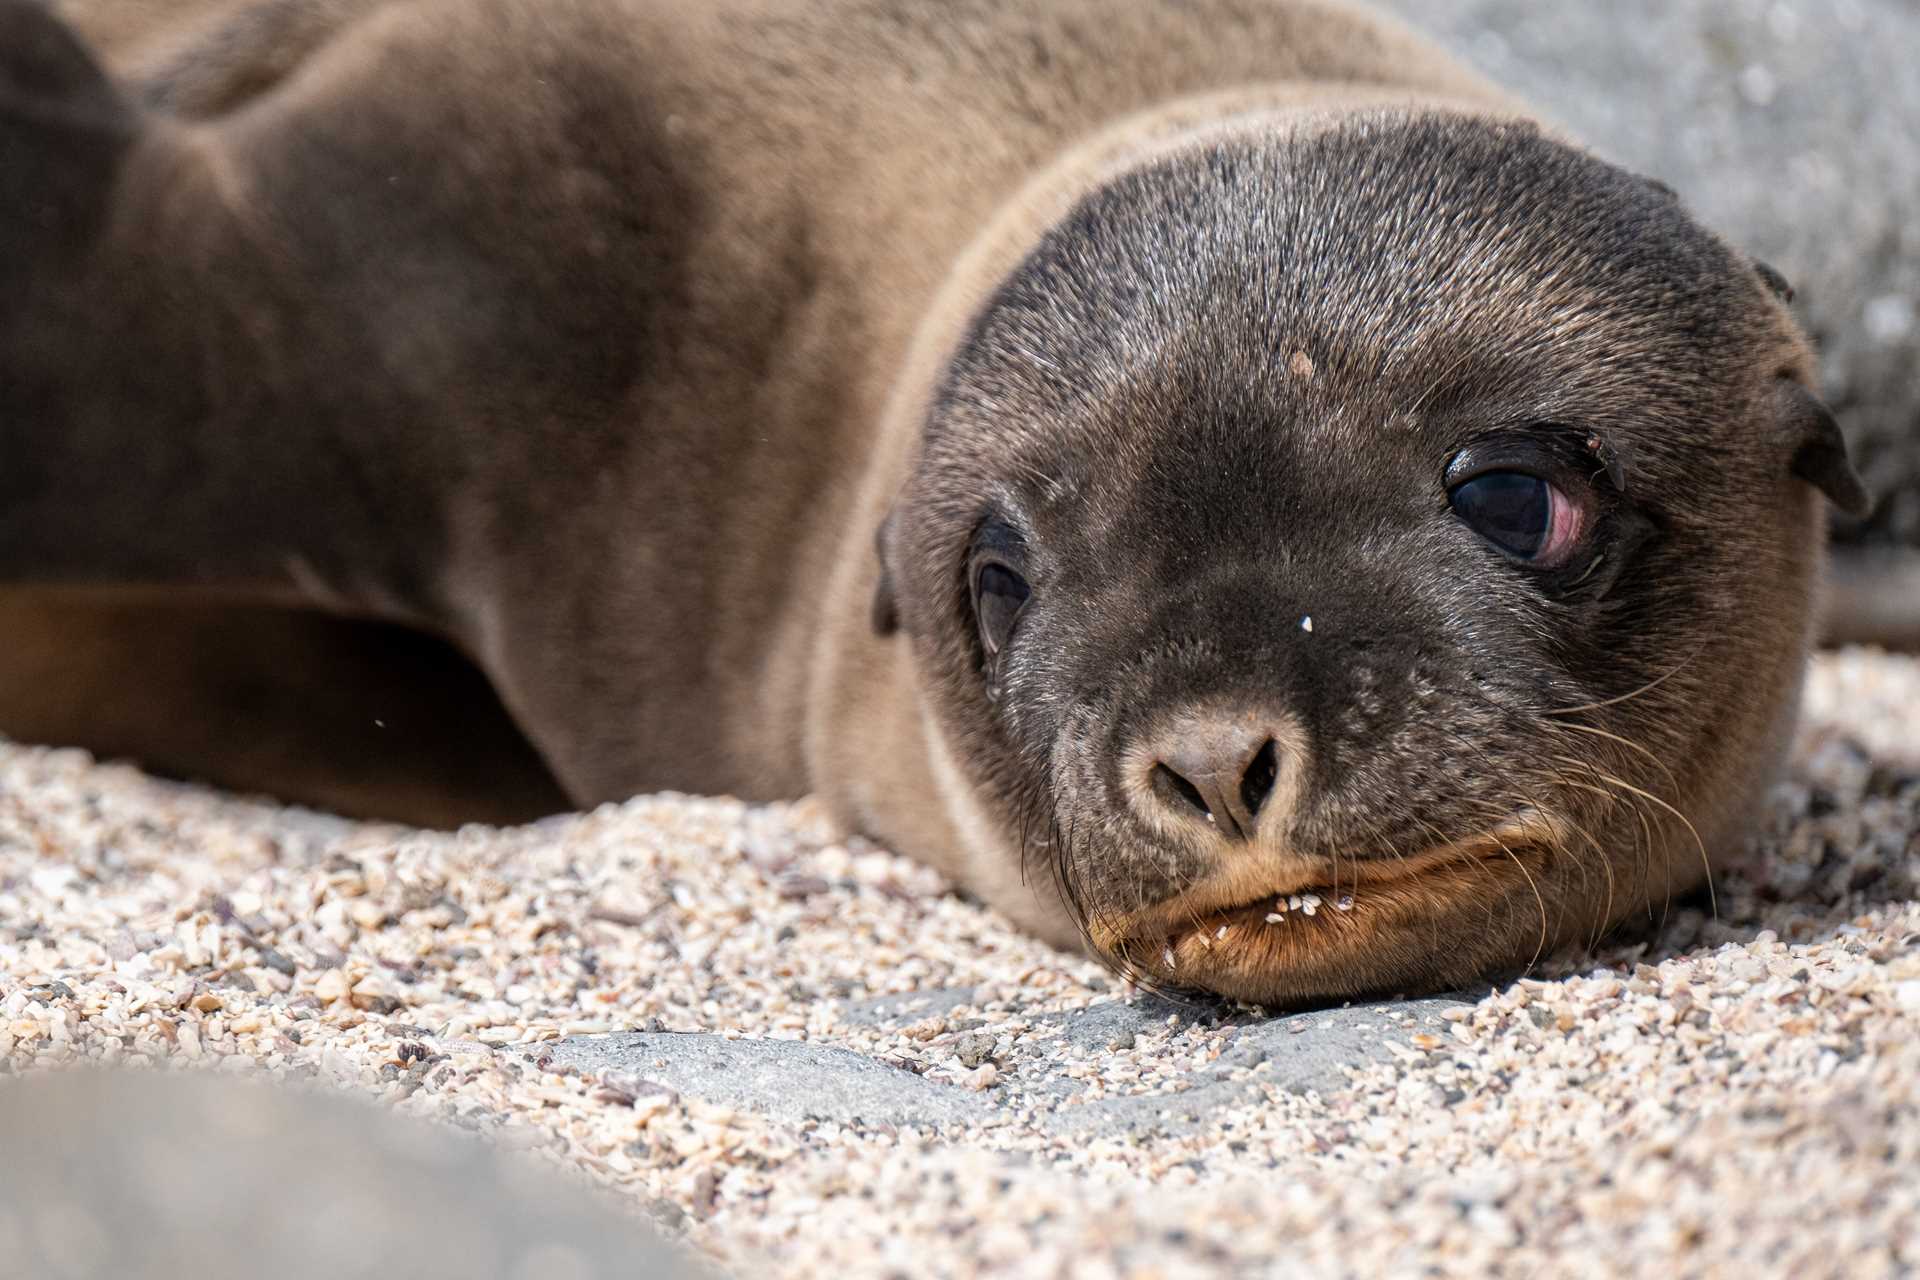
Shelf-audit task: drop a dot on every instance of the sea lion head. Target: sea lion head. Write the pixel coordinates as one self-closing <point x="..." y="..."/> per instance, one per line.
<point x="1360" y="557"/>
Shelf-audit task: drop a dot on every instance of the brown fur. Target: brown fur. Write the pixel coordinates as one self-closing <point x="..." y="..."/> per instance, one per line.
<point x="326" y="710"/>
<point x="600" y="335"/>
<point x="353" y="717"/>
<point x="130" y="33"/>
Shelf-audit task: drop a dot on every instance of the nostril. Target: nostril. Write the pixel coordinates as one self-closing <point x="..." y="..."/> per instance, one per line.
<point x="1229" y="769"/>
<point x="1262" y="771"/>
<point x="1174" y="789"/>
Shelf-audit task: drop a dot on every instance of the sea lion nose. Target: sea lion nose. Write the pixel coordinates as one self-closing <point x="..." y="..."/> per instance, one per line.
<point x="1220" y="770"/>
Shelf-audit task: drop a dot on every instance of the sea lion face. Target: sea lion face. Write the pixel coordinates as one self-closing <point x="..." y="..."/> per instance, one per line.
<point x="1358" y="558"/>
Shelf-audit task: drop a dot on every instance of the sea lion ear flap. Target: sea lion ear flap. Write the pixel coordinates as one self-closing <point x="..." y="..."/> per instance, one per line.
<point x="886" y="613"/>
<point x="1778" y="285"/>
<point x="1819" y="450"/>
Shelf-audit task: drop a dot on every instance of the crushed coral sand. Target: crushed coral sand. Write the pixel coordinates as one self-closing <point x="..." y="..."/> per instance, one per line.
<point x="1734" y="1096"/>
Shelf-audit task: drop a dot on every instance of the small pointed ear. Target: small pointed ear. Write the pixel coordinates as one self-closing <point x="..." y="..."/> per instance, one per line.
<point x="1777" y="284"/>
<point x="886" y="613"/>
<point x="1819" y="450"/>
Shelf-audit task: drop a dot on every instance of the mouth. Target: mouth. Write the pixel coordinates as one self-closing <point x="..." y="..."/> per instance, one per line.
<point x="1300" y="929"/>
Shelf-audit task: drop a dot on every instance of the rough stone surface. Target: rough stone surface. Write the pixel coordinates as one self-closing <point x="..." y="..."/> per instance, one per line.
<point x="796" y="1081"/>
<point x="186" y="1176"/>
<point x="789" y="1080"/>
<point x="1300" y="1054"/>
<point x="1788" y="125"/>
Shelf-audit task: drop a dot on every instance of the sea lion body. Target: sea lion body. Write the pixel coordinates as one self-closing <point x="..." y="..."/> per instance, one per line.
<point x="600" y="336"/>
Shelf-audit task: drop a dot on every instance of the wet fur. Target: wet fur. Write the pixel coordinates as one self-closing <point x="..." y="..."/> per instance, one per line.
<point x="600" y="337"/>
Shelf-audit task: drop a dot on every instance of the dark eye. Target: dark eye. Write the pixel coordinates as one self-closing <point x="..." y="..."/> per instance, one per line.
<point x="1521" y="514"/>
<point x="998" y="595"/>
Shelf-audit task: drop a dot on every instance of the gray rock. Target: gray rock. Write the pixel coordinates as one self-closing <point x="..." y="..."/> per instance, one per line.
<point x="1099" y="1026"/>
<point x="911" y="1006"/>
<point x="1793" y="127"/>
<point x="186" y="1176"/>
<point x="1304" y="1052"/>
<point x="795" y="1081"/>
<point x="1309" y="1051"/>
<point x="788" y="1080"/>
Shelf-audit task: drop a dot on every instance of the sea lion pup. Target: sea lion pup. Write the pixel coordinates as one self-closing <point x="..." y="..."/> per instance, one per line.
<point x="1332" y="536"/>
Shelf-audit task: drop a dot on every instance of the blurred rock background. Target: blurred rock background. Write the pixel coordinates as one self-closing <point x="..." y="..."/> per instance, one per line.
<point x="147" y="1175"/>
<point x="1792" y="127"/>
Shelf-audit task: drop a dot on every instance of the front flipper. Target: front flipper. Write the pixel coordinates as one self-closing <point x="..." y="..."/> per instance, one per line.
<point x="361" y="718"/>
<point x="346" y="346"/>
<point x="146" y="352"/>
<point x="187" y="396"/>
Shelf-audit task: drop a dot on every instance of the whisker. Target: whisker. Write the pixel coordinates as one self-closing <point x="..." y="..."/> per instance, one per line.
<point x="1539" y="901"/>
<point x="1647" y="850"/>
<point x="1600" y="853"/>
<point x="1648" y="687"/>
<point x="1630" y="745"/>
<point x="1706" y="863"/>
<point x="1440" y="840"/>
<point x="1591" y="770"/>
<point x="1666" y="901"/>
<point x="1496" y="815"/>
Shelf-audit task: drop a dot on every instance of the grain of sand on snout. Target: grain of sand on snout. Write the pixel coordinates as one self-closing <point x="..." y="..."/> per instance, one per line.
<point x="1732" y="1096"/>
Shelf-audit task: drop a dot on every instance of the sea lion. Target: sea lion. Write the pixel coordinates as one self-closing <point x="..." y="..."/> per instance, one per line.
<point x="1215" y="478"/>
<point x="356" y="717"/>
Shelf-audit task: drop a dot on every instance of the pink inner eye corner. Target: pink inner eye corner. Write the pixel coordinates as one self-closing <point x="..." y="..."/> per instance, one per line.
<point x="1566" y="523"/>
